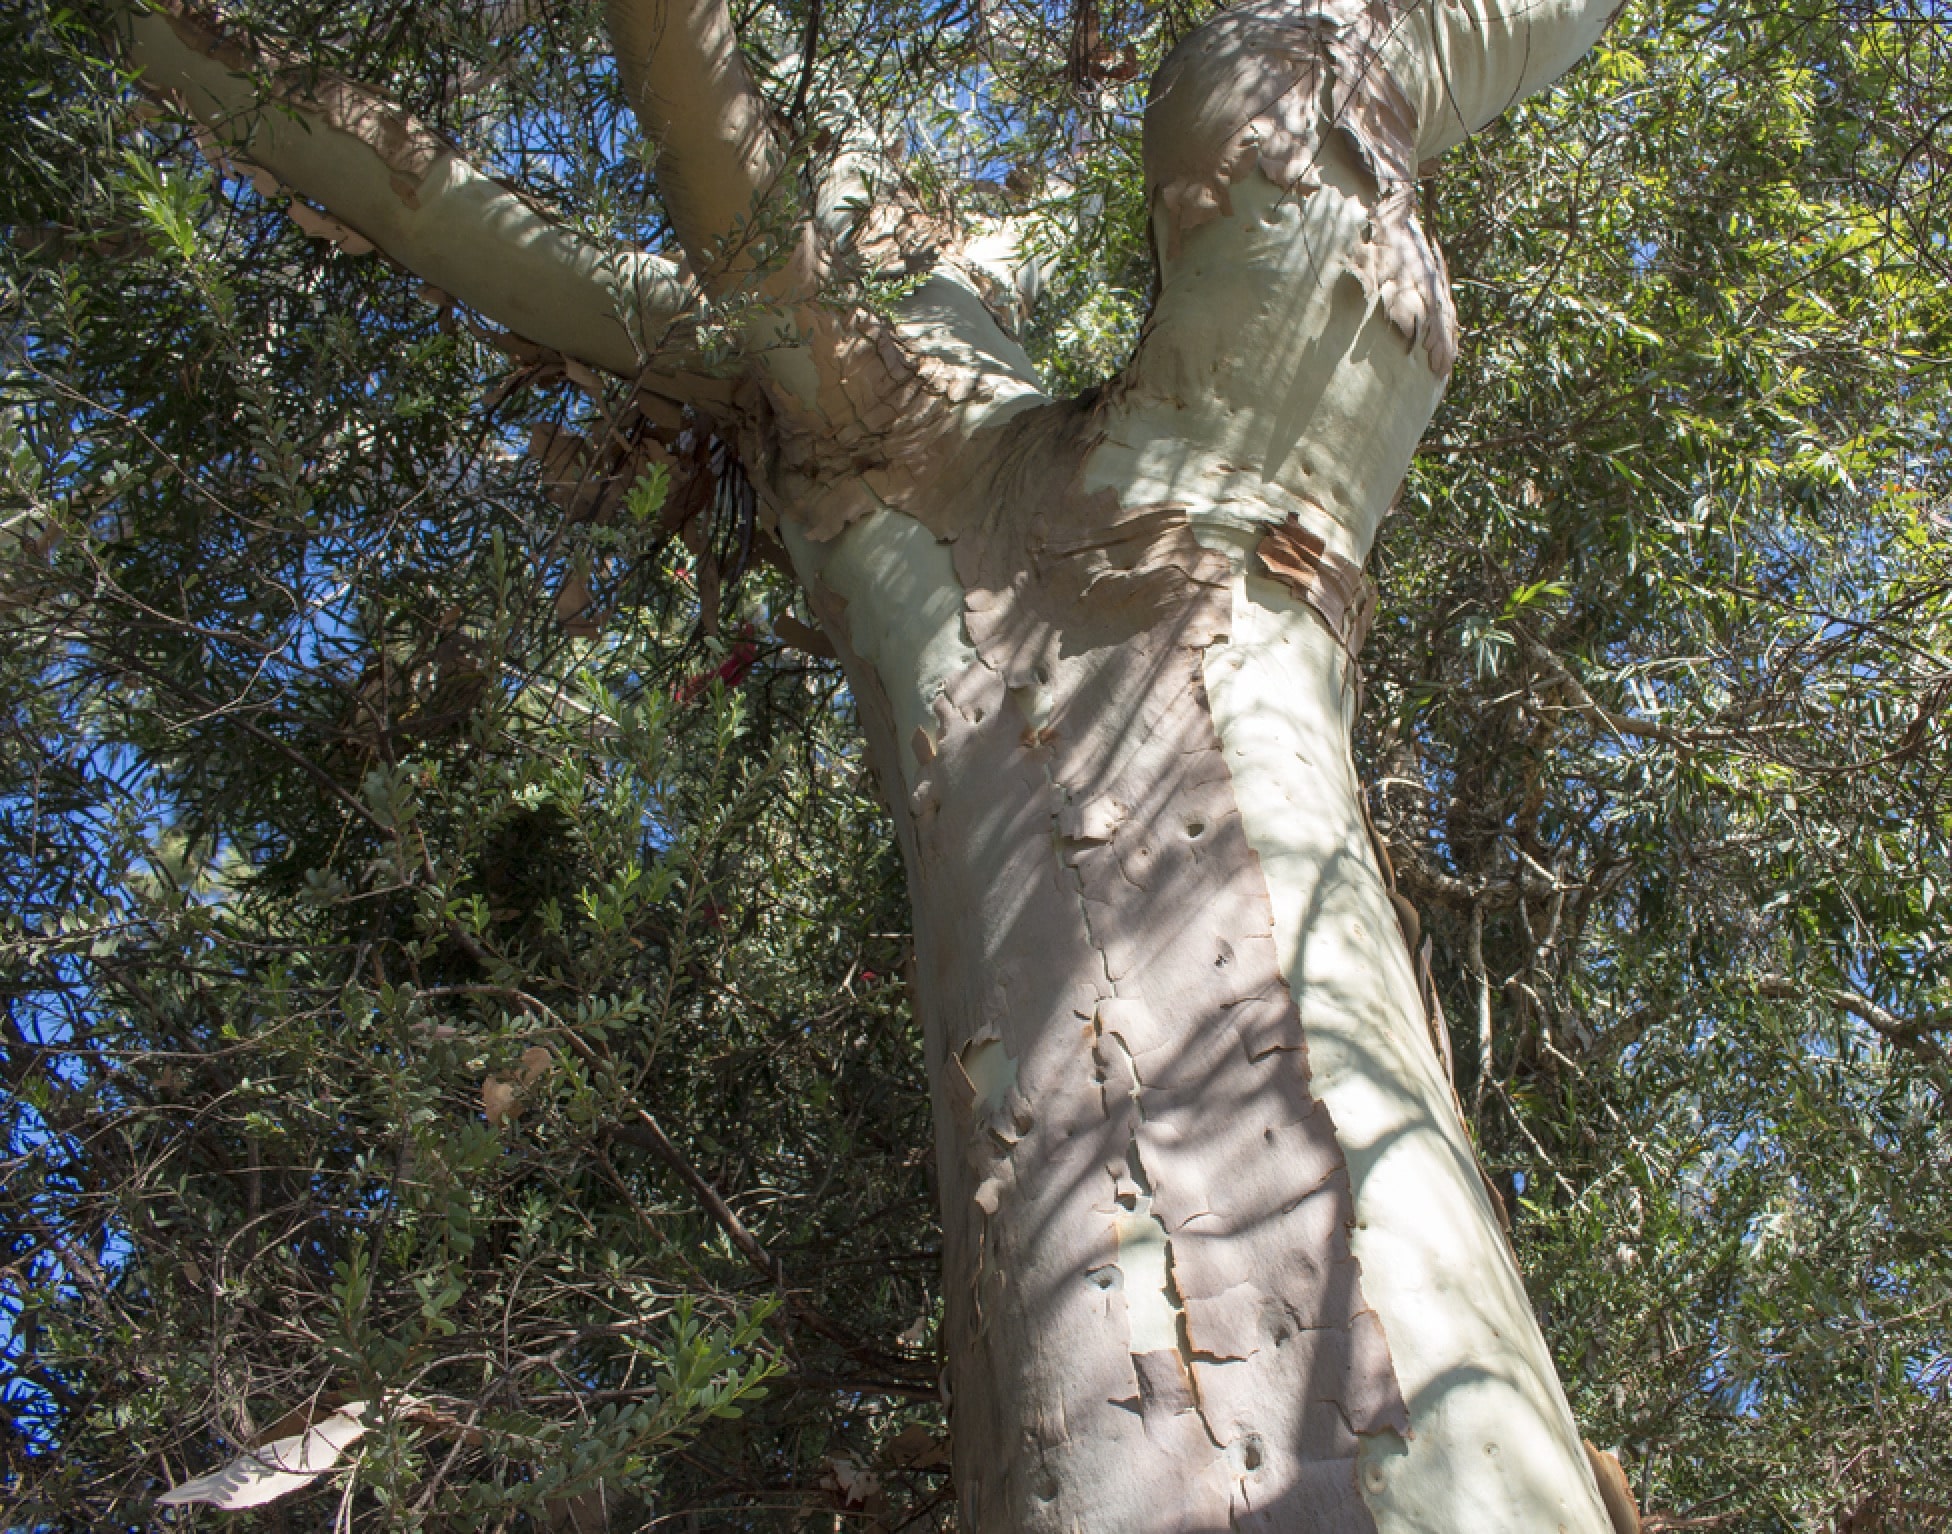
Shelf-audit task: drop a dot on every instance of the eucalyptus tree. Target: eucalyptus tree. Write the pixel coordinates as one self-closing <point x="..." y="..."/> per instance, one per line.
<point x="1216" y="1251"/>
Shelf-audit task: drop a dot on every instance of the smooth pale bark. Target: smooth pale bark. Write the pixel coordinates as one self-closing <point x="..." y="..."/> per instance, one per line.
<point x="376" y="170"/>
<point x="1493" y="1443"/>
<point x="717" y="154"/>
<point x="1218" y="1253"/>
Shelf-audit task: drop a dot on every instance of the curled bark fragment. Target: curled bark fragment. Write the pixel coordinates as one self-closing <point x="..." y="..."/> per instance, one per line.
<point x="1614" y="1490"/>
<point x="1333" y="586"/>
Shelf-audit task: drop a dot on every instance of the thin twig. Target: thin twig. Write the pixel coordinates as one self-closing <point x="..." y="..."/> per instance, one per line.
<point x="647" y="1134"/>
<point x="1484" y="1012"/>
<point x="809" y="47"/>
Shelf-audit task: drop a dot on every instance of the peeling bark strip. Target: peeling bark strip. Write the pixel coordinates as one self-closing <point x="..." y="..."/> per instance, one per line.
<point x="1618" y="1496"/>
<point x="1303" y="562"/>
<point x="1259" y="88"/>
<point x="1161" y="1327"/>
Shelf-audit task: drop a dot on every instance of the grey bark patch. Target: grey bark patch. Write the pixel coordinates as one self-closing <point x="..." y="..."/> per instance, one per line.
<point x="1164" y="1389"/>
<point x="1228" y="1326"/>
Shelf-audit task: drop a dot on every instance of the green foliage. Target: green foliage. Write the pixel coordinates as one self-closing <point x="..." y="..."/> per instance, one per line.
<point x="1658" y="697"/>
<point x="355" y="913"/>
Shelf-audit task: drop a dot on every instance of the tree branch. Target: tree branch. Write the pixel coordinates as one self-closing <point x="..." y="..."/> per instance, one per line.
<point x="948" y="319"/>
<point x="1304" y="326"/>
<point x="1622" y="726"/>
<point x="395" y="182"/>
<point x="1464" y="63"/>
<point x="647" y="1134"/>
<point x="1914" y="1033"/>
<point x="718" y="153"/>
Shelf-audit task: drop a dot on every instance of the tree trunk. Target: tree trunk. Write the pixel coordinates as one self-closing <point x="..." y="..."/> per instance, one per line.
<point x="1218" y="1252"/>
